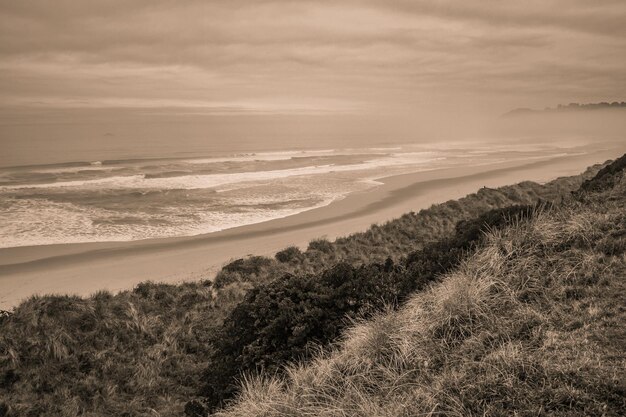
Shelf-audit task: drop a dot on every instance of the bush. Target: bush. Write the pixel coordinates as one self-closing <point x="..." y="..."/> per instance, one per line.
<point x="612" y="246"/>
<point x="322" y="245"/>
<point x="61" y="354"/>
<point x="195" y="409"/>
<point x="289" y="254"/>
<point x="242" y="270"/>
<point x="279" y="322"/>
<point x="606" y="177"/>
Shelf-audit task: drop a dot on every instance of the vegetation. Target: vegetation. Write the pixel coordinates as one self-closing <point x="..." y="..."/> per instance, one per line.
<point x="606" y="179"/>
<point x="531" y="323"/>
<point x="278" y="322"/>
<point x="570" y="107"/>
<point x="114" y="355"/>
<point x="147" y="351"/>
<point x="399" y="237"/>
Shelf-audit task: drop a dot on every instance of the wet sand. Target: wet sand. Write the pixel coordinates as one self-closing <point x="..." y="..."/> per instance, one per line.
<point x="84" y="268"/>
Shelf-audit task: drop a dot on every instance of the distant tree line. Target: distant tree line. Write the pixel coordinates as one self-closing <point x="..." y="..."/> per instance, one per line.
<point x="569" y="107"/>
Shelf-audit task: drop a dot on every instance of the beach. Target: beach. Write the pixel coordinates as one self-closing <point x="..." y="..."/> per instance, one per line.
<point x="84" y="268"/>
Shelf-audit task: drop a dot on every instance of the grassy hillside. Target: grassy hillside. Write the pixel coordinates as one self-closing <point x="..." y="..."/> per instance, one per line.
<point x="398" y="237"/>
<point x="147" y="351"/>
<point x="531" y="323"/>
<point x="282" y="320"/>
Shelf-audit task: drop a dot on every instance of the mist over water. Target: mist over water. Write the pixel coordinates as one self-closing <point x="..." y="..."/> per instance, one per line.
<point x="41" y="137"/>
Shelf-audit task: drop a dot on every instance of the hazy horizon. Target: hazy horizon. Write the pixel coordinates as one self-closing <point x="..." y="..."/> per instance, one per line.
<point x="406" y="59"/>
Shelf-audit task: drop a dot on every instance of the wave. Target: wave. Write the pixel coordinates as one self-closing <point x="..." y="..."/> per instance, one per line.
<point x="57" y="223"/>
<point x="70" y="170"/>
<point x="88" y="164"/>
<point x="190" y="182"/>
<point x="166" y="200"/>
<point x="262" y="156"/>
<point x="47" y="166"/>
<point x="166" y="174"/>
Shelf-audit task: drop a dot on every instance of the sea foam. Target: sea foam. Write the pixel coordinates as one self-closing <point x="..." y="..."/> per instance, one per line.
<point x="190" y="182"/>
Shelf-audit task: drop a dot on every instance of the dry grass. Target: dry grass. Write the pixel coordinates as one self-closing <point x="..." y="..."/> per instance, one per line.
<point x="517" y="329"/>
<point x="108" y="355"/>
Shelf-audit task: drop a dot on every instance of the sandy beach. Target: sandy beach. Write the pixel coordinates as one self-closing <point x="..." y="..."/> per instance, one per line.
<point x="82" y="269"/>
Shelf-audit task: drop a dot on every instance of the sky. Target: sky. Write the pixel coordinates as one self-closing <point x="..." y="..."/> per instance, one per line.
<point x="310" y="57"/>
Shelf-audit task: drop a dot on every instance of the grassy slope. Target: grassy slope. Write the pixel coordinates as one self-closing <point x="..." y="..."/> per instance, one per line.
<point x="290" y="318"/>
<point x="144" y="351"/>
<point x="401" y="236"/>
<point x="530" y="324"/>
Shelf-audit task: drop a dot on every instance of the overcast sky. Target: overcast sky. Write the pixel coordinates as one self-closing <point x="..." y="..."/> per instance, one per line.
<point x="261" y="56"/>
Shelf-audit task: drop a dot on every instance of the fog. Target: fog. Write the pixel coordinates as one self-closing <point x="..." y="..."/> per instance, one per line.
<point x="574" y="126"/>
<point x="405" y="63"/>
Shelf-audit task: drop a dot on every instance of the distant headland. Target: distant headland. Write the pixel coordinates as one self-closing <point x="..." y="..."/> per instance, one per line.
<point x="567" y="108"/>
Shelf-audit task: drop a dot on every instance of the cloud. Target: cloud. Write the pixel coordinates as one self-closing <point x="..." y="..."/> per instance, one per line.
<point x="604" y="18"/>
<point x="311" y="54"/>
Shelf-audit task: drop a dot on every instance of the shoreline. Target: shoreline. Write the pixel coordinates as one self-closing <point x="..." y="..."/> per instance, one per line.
<point x="84" y="268"/>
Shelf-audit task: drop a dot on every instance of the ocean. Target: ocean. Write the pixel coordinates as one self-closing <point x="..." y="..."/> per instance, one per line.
<point x="133" y="198"/>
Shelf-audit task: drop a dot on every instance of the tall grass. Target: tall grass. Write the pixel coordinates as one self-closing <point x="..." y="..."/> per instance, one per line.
<point x="517" y="329"/>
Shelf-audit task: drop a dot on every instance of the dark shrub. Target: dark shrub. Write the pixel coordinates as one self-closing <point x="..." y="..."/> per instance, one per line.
<point x="279" y="321"/>
<point x="606" y="178"/>
<point x="250" y="265"/>
<point x="9" y="378"/>
<point x="321" y="245"/>
<point x="4" y="315"/>
<point x="242" y="270"/>
<point x="144" y="289"/>
<point x="223" y="278"/>
<point x="612" y="246"/>
<point x="290" y="254"/>
<point x="195" y="409"/>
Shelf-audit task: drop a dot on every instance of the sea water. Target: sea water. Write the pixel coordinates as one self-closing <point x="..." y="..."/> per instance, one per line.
<point x="141" y="198"/>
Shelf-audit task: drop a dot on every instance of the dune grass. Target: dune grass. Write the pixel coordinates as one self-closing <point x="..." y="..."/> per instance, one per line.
<point x="530" y="324"/>
<point x="399" y="237"/>
<point x="119" y="355"/>
<point x="283" y="320"/>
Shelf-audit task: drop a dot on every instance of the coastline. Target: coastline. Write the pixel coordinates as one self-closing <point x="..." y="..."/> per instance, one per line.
<point x="84" y="268"/>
